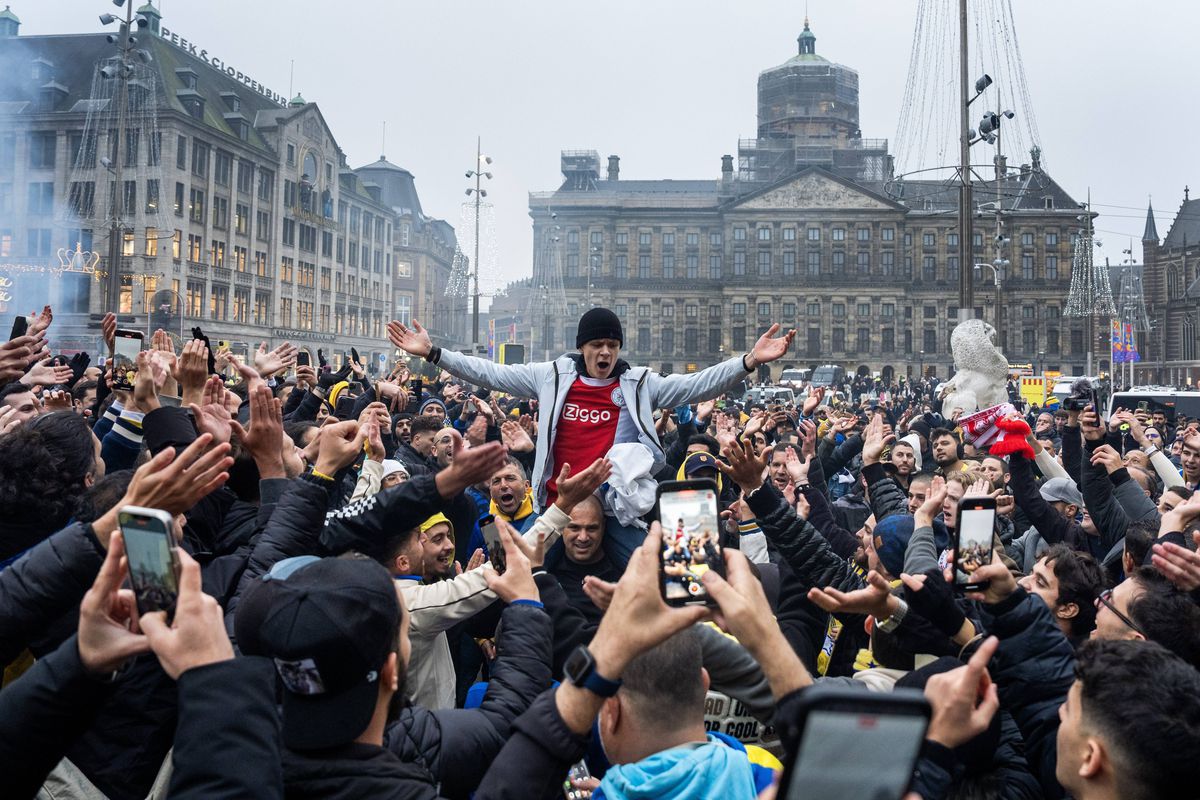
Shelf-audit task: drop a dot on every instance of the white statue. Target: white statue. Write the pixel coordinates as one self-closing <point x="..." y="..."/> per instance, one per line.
<point x="981" y="376"/>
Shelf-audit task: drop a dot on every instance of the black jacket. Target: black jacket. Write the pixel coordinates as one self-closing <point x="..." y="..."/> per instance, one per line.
<point x="46" y="583"/>
<point x="42" y="713"/>
<point x="456" y="745"/>
<point x="353" y="772"/>
<point x="1033" y="669"/>
<point x="227" y="741"/>
<point x="536" y="757"/>
<point x="1052" y="525"/>
<point x="884" y="494"/>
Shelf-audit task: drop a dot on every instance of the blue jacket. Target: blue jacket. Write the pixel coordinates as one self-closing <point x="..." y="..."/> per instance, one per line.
<point x="690" y="772"/>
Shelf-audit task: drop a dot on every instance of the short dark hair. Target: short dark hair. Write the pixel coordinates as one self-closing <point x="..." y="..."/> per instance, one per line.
<point x="1166" y="615"/>
<point x="82" y="388"/>
<point x="1184" y="492"/>
<point x="424" y="423"/>
<point x="1003" y="463"/>
<point x="16" y="387"/>
<point x="1145" y="701"/>
<point x="1139" y="536"/>
<point x="709" y="443"/>
<point x="296" y="430"/>
<point x="513" y="462"/>
<point x="1080" y="581"/>
<point x="899" y="443"/>
<point x="938" y="433"/>
<point x="384" y="549"/>
<point x="783" y="447"/>
<point x="104" y="494"/>
<point x="663" y="684"/>
<point x="43" y="466"/>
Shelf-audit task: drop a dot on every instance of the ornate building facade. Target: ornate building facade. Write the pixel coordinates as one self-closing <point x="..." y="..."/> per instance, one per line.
<point x="812" y="230"/>
<point x="1171" y="283"/>
<point x="240" y="212"/>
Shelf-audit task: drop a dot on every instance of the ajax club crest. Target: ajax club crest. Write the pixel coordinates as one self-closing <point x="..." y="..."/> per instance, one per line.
<point x="618" y="398"/>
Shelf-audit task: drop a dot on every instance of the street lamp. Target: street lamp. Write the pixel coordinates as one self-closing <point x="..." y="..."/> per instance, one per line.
<point x="479" y="173"/>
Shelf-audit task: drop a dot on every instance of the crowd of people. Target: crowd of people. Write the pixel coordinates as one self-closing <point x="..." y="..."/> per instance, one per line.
<point x="455" y="587"/>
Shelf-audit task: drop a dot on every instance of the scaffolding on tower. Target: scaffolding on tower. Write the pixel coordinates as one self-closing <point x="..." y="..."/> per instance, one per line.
<point x="1090" y="295"/>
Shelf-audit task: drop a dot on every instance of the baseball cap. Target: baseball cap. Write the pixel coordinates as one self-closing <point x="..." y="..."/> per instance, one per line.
<point x="699" y="461"/>
<point x="1061" y="489"/>
<point x="329" y="624"/>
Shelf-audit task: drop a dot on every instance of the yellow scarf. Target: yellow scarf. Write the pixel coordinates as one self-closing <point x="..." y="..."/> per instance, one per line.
<point x="523" y="510"/>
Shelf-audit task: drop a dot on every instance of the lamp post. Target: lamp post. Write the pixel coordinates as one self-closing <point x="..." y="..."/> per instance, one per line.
<point x="480" y="161"/>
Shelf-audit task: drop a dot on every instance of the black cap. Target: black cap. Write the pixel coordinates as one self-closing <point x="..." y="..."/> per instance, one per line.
<point x="329" y="624"/>
<point x="598" y="323"/>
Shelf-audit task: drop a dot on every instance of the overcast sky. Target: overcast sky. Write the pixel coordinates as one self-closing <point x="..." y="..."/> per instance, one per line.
<point x="669" y="85"/>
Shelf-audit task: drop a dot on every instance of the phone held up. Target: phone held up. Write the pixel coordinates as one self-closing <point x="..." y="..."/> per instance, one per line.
<point x="150" y="548"/>
<point x="491" y="538"/>
<point x="20" y="328"/>
<point x="883" y="730"/>
<point x="974" y="538"/>
<point x="126" y="346"/>
<point x="691" y="545"/>
<point x="303" y="359"/>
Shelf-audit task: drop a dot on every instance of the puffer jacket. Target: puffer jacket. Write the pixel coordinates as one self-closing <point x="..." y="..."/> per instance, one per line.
<point x="642" y="392"/>
<point x="883" y="493"/>
<point x="457" y="745"/>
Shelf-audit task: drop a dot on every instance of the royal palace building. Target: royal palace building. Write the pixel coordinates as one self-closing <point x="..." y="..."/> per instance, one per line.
<point x="237" y="211"/>
<point x="809" y="227"/>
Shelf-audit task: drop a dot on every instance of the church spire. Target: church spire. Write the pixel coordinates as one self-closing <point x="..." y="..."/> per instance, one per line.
<point x="1151" y="233"/>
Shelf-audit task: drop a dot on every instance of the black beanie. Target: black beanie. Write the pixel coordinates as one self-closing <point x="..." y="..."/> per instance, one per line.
<point x="598" y="323"/>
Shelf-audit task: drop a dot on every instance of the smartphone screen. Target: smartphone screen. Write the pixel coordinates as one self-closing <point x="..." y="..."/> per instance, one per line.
<point x="835" y="743"/>
<point x="153" y="568"/>
<point x="126" y="346"/>
<point x="579" y="771"/>
<point x="973" y="549"/>
<point x="491" y="538"/>
<point x="687" y="511"/>
<point x="302" y="359"/>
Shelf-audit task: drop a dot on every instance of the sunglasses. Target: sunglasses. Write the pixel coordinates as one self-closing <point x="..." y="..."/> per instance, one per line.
<point x="1105" y="597"/>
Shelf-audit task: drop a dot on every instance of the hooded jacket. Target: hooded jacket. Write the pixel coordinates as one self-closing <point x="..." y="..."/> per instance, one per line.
<point x="642" y="390"/>
<point x="688" y="772"/>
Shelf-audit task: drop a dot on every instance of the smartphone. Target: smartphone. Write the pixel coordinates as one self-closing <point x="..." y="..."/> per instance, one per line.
<point x="416" y="387"/>
<point x="687" y="511"/>
<point x="841" y="728"/>
<point x="153" y="564"/>
<point x="302" y="359"/>
<point x="354" y="356"/>
<point x="1095" y="401"/>
<point x="973" y="547"/>
<point x="20" y="327"/>
<point x="1143" y="405"/>
<point x="579" y="771"/>
<point x="126" y="346"/>
<point x="491" y="538"/>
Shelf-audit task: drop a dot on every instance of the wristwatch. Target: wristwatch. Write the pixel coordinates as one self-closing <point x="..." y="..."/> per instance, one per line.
<point x="1150" y="450"/>
<point x="580" y="669"/>
<point x="891" y="623"/>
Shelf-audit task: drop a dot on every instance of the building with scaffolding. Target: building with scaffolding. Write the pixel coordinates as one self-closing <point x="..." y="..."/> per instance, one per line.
<point x="810" y="228"/>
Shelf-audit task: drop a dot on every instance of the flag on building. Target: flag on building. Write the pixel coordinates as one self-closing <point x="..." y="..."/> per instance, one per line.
<point x="1118" y="343"/>
<point x="1131" y="352"/>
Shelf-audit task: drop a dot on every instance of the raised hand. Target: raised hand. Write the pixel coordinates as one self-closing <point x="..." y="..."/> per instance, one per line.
<point x="196" y="636"/>
<point x="1107" y="457"/>
<point x="56" y="400"/>
<point x="108" y="622"/>
<point x="744" y="468"/>
<point x="43" y="373"/>
<point x="39" y="323"/>
<point x="191" y="371"/>
<point x="874" y="599"/>
<point x="517" y="581"/>
<point x="934" y="497"/>
<point x="1178" y="564"/>
<point x="600" y="592"/>
<point x="265" y="433"/>
<point x="15" y="356"/>
<point x="414" y="341"/>
<point x="151" y="376"/>
<point x="813" y="400"/>
<point x="797" y="470"/>
<point x="213" y="419"/>
<point x="704" y="410"/>
<point x="767" y="349"/>
<point x="469" y="467"/>
<point x="980" y="488"/>
<point x="876" y="438"/>
<point x="573" y="489"/>
<point x="515" y="438"/>
<point x="341" y="443"/>
<point x="108" y="330"/>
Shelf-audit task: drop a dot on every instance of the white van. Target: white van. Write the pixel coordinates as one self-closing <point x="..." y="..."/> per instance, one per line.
<point x="1158" y="398"/>
<point x="794" y="378"/>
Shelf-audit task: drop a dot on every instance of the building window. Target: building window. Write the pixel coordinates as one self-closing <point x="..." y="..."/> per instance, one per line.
<point x="691" y="341"/>
<point x="644" y="238"/>
<point x="668" y="240"/>
<point x="222" y="168"/>
<point x="814" y="263"/>
<point x="952" y="268"/>
<point x="789" y="262"/>
<point x="862" y="342"/>
<point x="1027" y="240"/>
<point x="739" y="263"/>
<point x="572" y="265"/>
<point x="668" y="341"/>
<point x="951" y="240"/>
<point x="739" y="310"/>
<point x="572" y="237"/>
<point x="863" y="234"/>
<point x="714" y="340"/>
<point x="195" y="299"/>
<point x="220" y="213"/>
<point x="289" y="231"/>
<point x="789" y="234"/>
<point x="839" y="309"/>
<point x="1052" y="268"/>
<point x="789" y="311"/>
<point x="240" y="257"/>
<point x="864" y="309"/>
<point x="622" y="238"/>
<point x="764" y="262"/>
<point x="152" y="198"/>
<point x="1051" y="238"/>
<point x="887" y="340"/>
<point x="929" y="268"/>
<point x="814" y="234"/>
<point x="195" y="248"/>
<point x="200" y="159"/>
<point x="839" y="340"/>
<point x="764" y="234"/>
<point x="1027" y="267"/>
<point x="714" y="266"/>
<point x="643" y="340"/>
<point x="887" y="262"/>
<point x="888" y="234"/>
<point x="196" y="206"/>
<point x="929" y="239"/>
<point x="864" y="263"/>
<point x="737" y="337"/>
<point x="644" y="266"/>
<point x="888" y="310"/>
<point x="621" y="266"/>
<point x="218" y="307"/>
<point x="42" y="148"/>
<point x="715" y="239"/>
<point x="930" y="312"/>
<point x="839" y="262"/>
<point x="764" y="309"/>
<point x="839" y="234"/>
<point x="693" y="240"/>
<point x="668" y="311"/>
<point x="813" y="309"/>
<point x="218" y="253"/>
<point x="739" y="234"/>
<point x="930" y="340"/>
<point x="693" y="265"/>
